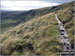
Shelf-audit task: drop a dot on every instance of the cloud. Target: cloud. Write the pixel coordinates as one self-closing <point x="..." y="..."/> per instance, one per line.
<point x="58" y="1"/>
<point x="29" y="4"/>
<point x="24" y="5"/>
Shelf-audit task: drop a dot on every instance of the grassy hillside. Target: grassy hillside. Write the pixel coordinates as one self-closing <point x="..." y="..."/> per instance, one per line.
<point x="10" y="19"/>
<point x="39" y="36"/>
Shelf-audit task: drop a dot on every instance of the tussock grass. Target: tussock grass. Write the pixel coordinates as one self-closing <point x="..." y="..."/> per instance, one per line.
<point x="39" y="36"/>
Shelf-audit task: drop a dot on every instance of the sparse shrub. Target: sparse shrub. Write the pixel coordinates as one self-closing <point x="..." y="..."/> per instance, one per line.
<point x="19" y="31"/>
<point x="3" y="39"/>
<point x="27" y="37"/>
<point x="72" y="44"/>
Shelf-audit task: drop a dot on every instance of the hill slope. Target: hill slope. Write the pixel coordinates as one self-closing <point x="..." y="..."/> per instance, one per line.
<point x="39" y="36"/>
<point x="10" y="19"/>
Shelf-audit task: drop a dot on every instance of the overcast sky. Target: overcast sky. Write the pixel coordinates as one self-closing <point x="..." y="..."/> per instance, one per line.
<point x="29" y="4"/>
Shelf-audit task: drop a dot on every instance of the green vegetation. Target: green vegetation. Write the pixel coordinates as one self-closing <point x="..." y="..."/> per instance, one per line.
<point x="39" y="36"/>
<point x="11" y="19"/>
